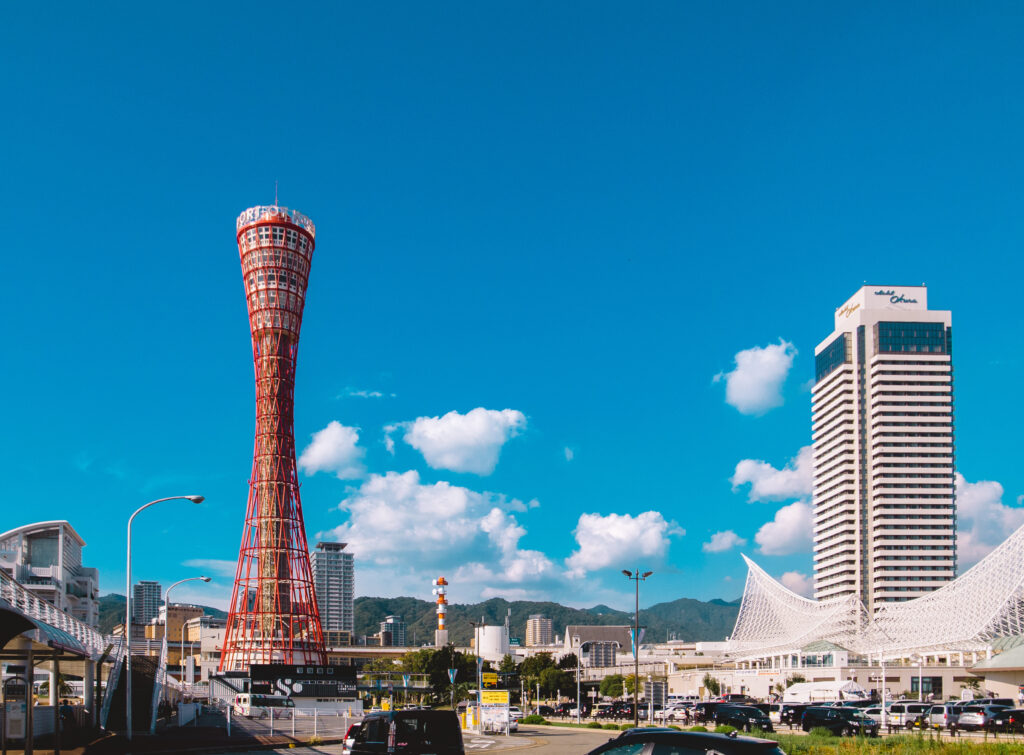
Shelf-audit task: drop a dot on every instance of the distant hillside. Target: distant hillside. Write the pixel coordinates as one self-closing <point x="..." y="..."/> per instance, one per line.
<point x="112" y="612"/>
<point x="683" y="619"/>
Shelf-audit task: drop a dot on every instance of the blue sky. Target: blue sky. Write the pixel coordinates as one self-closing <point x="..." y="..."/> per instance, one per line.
<point x="580" y="213"/>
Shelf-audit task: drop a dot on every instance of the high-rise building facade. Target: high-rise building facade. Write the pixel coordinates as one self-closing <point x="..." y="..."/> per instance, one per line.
<point x="145" y="601"/>
<point x="335" y="582"/>
<point x="46" y="559"/>
<point x="539" y="630"/>
<point x="273" y="616"/>
<point x="392" y="631"/>
<point x="882" y="405"/>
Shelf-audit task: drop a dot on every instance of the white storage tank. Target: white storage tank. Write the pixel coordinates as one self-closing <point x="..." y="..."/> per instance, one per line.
<point x="493" y="642"/>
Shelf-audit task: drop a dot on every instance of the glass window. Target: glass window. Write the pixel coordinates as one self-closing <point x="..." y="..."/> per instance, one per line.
<point x="634" y="748"/>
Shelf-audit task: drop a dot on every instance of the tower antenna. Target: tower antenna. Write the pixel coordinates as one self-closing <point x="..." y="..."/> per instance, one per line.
<point x="275" y="193"/>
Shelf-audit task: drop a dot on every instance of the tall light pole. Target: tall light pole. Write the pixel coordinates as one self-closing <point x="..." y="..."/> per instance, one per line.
<point x="128" y="606"/>
<point x="636" y="577"/>
<point x="579" y="701"/>
<point x="167" y="616"/>
<point x="479" y="671"/>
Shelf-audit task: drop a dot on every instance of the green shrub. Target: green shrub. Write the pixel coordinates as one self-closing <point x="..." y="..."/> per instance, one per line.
<point x="698" y="728"/>
<point x="673" y="726"/>
<point x="820" y="731"/>
<point x="626" y="727"/>
<point x="533" y="719"/>
<point x="724" y="729"/>
<point x="610" y="726"/>
<point x="594" y="725"/>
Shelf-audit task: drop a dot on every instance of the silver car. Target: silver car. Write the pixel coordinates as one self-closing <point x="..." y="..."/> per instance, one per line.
<point x="943" y="716"/>
<point x="975" y="717"/>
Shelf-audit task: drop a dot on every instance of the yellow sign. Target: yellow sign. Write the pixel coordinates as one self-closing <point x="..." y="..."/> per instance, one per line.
<point x="490" y="679"/>
<point x="494" y="696"/>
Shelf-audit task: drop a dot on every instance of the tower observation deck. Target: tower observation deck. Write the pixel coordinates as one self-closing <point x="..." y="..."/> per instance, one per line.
<point x="273" y="616"/>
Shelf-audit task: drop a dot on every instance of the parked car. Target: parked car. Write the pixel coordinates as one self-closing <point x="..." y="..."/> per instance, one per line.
<point x="943" y="716"/>
<point x="654" y="742"/>
<point x="1005" y="701"/>
<point x="350" y="737"/>
<point x="678" y="711"/>
<point x="705" y="712"/>
<point x="902" y="714"/>
<point x="1009" y="720"/>
<point x="738" y="699"/>
<point x="975" y="717"/>
<point x="409" y="732"/>
<point x="792" y="713"/>
<point x="743" y="717"/>
<point x="840" y="721"/>
<point x="515" y="712"/>
<point x="544" y="710"/>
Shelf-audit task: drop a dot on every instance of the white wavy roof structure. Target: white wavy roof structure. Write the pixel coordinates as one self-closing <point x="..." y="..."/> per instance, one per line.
<point x="967" y="614"/>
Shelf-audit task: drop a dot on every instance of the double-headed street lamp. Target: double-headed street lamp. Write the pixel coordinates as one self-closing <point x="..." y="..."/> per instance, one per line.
<point x="167" y="621"/>
<point x="128" y="606"/>
<point x="636" y="577"/>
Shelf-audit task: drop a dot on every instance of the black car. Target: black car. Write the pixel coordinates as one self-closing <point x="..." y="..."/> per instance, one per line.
<point x="546" y="710"/>
<point x="840" y="721"/>
<point x="410" y="732"/>
<point x="745" y="717"/>
<point x="1011" y="720"/>
<point x="792" y="713"/>
<point x="705" y="712"/>
<point x="655" y="742"/>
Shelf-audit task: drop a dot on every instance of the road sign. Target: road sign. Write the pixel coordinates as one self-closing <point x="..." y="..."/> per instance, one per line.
<point x="452" y="673"/>
<point x="490" y="679"/>
<point x="494" y="697"/>
<point x="405" y="679"/>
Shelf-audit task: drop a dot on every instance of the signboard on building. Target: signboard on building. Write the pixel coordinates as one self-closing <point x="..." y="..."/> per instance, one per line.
<point x="303" y="681"/>
<point x="494" y="697"/>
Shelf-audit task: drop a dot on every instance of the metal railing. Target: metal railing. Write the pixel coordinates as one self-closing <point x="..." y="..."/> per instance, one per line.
<point x="117" y="653"/>
<point x="38" y="608"/>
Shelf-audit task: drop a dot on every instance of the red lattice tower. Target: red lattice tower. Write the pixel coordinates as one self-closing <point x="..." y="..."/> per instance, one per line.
<point x="273" y="617"/>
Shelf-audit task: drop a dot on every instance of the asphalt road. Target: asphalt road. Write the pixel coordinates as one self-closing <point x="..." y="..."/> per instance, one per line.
<point x="541" y="740"/>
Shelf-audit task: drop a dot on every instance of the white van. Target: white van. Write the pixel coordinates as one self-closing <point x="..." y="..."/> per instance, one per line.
<point x="903" y="713"/>
<point x="261" y="706"/>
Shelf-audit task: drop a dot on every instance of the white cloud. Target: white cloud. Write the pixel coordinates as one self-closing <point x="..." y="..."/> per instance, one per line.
<point x="755" y="386"/>
<point x="767" y="483"/>
<point x="789" y="532"/>
<point x="983" y="521"/>
<point x="400" y="528"/>
<point x="334" y="449"/>
<point x="468" y="442"/>
<point x="618" y="540"/>
<point x="723" y="541"/>
<point x="798" y="582"/>
<point x="212" y="566"/>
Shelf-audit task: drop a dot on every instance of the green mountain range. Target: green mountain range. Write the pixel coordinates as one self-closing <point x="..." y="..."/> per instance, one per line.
<point x="112" y="612"/>
<point x="683" y="619"/>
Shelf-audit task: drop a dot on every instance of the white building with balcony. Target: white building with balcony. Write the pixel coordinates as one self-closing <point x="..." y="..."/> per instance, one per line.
<point x="46" y="558"/>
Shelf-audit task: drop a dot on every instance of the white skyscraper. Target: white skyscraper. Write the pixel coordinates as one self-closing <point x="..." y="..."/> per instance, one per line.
<point x="335" y="584"/>
<point x="884" y="511"/>
<point x="147" y="600"/>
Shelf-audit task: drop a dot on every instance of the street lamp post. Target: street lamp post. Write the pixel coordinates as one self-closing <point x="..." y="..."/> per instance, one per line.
<point x="128" y="606"/>
<point x="167" y="616"/>
<point x="579" y="702"/>
<point x="636" y="577"/>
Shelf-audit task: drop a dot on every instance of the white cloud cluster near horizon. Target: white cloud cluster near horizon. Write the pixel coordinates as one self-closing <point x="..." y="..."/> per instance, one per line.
<point x="754" y="386"/>
<point x="212" y="567"/>
<point x="983" y="520"/>
<point x="617" y="540"/>
<point x="799" y="583"/>
<point x="399" y="526"/>
<point x="334" y="449"/>
<point x="470" y="442"/>
<point x="723" y="541"/>
<point x="790" y="531"/>
<point x="795" y="480"/>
